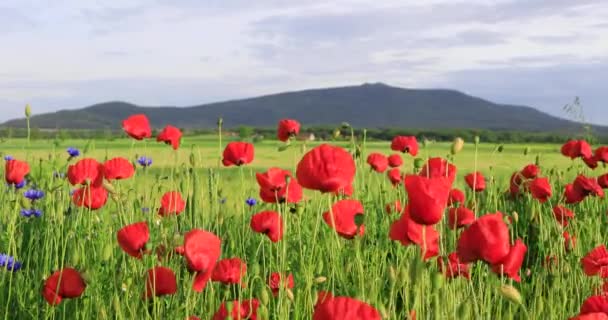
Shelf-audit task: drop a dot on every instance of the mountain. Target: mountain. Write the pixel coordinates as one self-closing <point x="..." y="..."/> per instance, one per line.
<point x="369" y="105"/>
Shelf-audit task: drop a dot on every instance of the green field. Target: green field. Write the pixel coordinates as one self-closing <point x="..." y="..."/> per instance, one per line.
<point x="371" y="268"/>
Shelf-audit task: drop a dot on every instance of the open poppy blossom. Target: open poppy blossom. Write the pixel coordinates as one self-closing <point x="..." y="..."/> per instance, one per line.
<point x="395" y="177"/>
<point x="202" y="249"/>
<point x="456" y="197"/>
<point x="596" y="262"/>
<point x="428" y="198"/>
<point x="86" y="171"/>
<point x="487" y="239"/>
<point x="118" y="169"/>
<point x="160" y="281"/>
<point x="326" y="168"/>
<point x="15" y="171"/>
<point x="245" y="310"/>
<point x="343" y="218"/>
<point x="268" y="223"/>
<point x="437" y="168"/>
<point x="133" y="238"/>
<point x="377" y="161"/>
<point x="587" y="186"/>
<point x="405" y="144"/>
<point x="594" y="308"/>
<point x="572" y="195"/>
<point x="577" y="148"/>
<point x="229" y="271"/>
<point x="591" y="162"/>
<point x="407" y="231"/>
<point x="66" y="283"/>
<point x="287" y="128"/>
<point x="395" y="160"/>
<point x="601" y="154"/>
<point x="530" y="171"/>
<point x="237" y="153"/>
<point x="90" y="197"/>
<point x="460" y="217"/>
<point x="275" y="188"/>
<point x="277" y="280"/>
<point x="137" y="126"/>
<point x="344" y="308"/>
<point x="540" y="188"/>
<point x="562" y="215"/>
<point x="602" y="181"/>
<point x="475" y="181"/>
<point x="171" y="203"/>
<point x="453" y="268"/>
<point x="170" y="135"/>
<point x="512" y="262"/>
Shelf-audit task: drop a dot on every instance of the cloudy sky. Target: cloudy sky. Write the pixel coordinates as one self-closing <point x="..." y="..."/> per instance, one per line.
<point x="64" y="54"/>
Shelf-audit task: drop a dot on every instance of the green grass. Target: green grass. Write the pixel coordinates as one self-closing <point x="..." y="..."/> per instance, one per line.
<point x="86" y="240"/>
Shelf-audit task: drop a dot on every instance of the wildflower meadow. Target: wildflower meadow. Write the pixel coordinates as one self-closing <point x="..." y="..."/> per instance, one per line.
<point x="212" y="227"/>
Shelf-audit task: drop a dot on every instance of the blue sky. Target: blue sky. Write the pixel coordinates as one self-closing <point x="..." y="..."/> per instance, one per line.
<point x="66" y="54"/>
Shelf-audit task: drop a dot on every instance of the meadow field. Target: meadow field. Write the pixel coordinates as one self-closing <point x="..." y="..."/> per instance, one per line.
<point x="392" y="278"/>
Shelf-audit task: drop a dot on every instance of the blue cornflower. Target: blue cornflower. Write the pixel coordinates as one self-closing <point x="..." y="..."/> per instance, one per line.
<point x="34" y="194"/>
<point x="251" y="202"/>
<point x="144" y="161"/>
<point x="9" y="262"/>
<point x="21" y="185"/>
<point x="73" y="152"/>
<point x="8" y="157"/>
<point x="31" y="212"/>
<point x="145" y="210"/>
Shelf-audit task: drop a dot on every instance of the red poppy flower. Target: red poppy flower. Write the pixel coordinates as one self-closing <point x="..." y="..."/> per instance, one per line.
<point x="511" y="264"/>
<point x="601" y="154"/>
<point x="343" y="216"/>
<point x="15" y="171"/>
<point x="86" y="171"/>
<point x="171" y="203"/>
<point x="64" y="283"/>
<point x="460" y="217"/>
<point x="540" y="189"/>
<point x="407" y="231"/>
<point x="596" y="262"/>
<point x="133" y="238"/>
<point x="588" y="186"/>
<point x="572" y="195"/>
<point x="475" y="181"/>
<point x="577" y="148"/>
<point x="229" y="271"/>
<point x="274" y="187"/>
<point x="118" y="169"/>
<point x="394" y="175"/>
<point x="326" y="168"/>
<point x="344" y="308"/>
<point x="90" y="197"/>
<point x="591" y="316"/>
<point x="137" y="126"/>
<point x="287" y="128"/>
<point x="201" y="249"/>
<point x="530" y="171"/>
<point x="485" y="239"/>
<point x="160" y="281"/>
<point x="456" y="197"/>
<point x="276" y="280"/>
<point x="437" y="168"/>
<point x="268" y="223"/>
<point x="603" y="181"/>
<point x="238" y="153"/>
<point x="591" y="162"/>
<point x="393" y="207"/>
<point x="322" y="296"/>
<point x="170" y="135"/>
<point x="395" y="160"/>
<point x="427" y="198"/>
<point x="562" y="215"/>
<point x="245" y="310"/>
<point x="454" y="267"/>
<point x="569" y="241"/>
<point x="595" y="304"/>
<point x="405" y="144"/>
<point x="378" y="162"/>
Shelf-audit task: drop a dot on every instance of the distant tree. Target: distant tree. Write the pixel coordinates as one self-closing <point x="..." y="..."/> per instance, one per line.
<point x="245" y="132"/>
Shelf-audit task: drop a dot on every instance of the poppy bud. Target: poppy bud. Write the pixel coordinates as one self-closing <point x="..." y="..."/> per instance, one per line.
<point x="28" y="111"/>
<point x="437" y="280"/>
<point x="255" y="270"/>
<point x="418" y="163"/>
<point x="75" y="258"/>
<point x="537" y="160"/>
<point x="320" y="279"/>
<point x="262" y="313"/>
<point x="117" y="304"/>
<point x="345" y="125"/>
<point x="107" y="252"/>
<point x="457" y="145"/>
<point x="336" y="133"/>
<point x="512" y="294"/>
<point x="476" y="140"/>
<point x="283" y="147"/>
<point x="527" y="150"/>
<point x="220" y="121"/>
<point x="515" y="216"/>
<point x="500" y="148"/>
<point x="290" y="295"/>
<point x="264" y="297"/>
